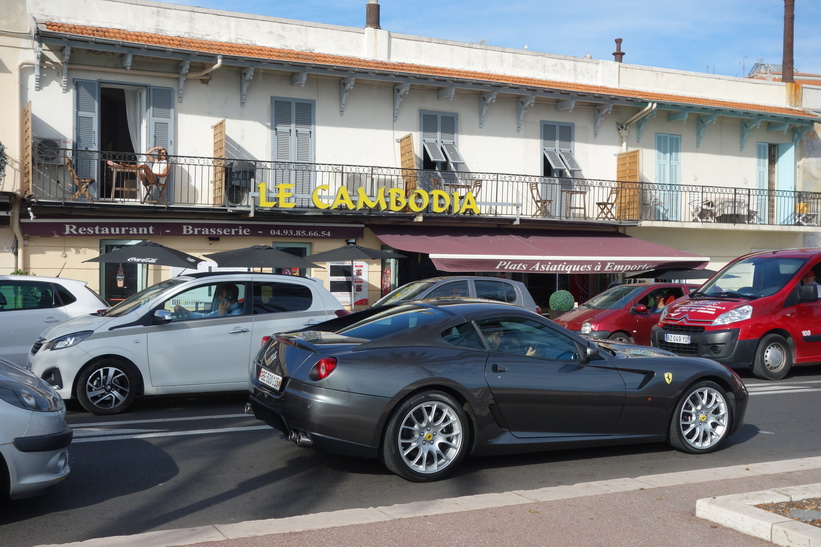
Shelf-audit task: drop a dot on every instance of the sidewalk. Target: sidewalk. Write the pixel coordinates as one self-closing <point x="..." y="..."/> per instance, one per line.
<point x="675" y="509"/>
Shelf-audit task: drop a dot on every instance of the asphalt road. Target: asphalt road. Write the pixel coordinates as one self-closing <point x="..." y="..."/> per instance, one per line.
<point x="184" y="462"/>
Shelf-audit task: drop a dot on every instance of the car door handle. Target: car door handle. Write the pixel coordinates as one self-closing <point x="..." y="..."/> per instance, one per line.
<point x="51" y="320"/>
<point x="238" y="330"/>
<point x="498" y="368"/>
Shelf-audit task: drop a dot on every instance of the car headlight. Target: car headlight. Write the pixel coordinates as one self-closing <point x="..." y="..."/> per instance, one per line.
<point x="30" y="398"/>
<point x="732" y="316"/>
<point x="587" y="328"/>
<point x="68" y="340"/>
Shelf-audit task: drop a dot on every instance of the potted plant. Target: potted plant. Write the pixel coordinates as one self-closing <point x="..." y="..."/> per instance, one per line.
<point x="560" y="302"/>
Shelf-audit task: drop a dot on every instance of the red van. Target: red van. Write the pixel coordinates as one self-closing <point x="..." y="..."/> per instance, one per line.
<point x="757" y="311"/>
<point x="624" y="313"/>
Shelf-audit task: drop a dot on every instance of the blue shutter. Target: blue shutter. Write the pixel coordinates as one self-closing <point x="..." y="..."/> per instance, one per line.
<point x="161" y="122"/>
<point x="85" y="129"/>
<point x="762" y="176"/>
<point x="161" y="126"/>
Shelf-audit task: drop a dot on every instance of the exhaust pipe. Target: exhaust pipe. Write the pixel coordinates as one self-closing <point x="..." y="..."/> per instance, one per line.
<point x="301" y="439"/>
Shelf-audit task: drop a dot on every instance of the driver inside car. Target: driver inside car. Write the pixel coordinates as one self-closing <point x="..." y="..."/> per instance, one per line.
<point x="227" y="304"/>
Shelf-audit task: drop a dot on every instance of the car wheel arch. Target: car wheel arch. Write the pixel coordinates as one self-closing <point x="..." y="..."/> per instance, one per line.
<point x="460" y="397"/>
<point x="110" y="357"/>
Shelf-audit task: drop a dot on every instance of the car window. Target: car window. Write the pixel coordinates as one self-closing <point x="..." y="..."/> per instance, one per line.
<point x="411" y="291"/>
<point x="614" y="298"/>
<point x="281" y="297"/>
<point x="453" y="289"/>
<point x="216" y="299"/>
<point x="143" y="297"/>
<point x="26" y="295"/>
<point x="495" y="290"/>
<point x="65" y="297"/>
<point x="464" y="336"/>
<point x="521" y="336"/>
<point x="390" y="321"/>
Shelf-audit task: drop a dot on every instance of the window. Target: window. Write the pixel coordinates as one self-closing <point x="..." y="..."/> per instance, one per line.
<point x="439" y="142"/>
<point x="205" y="301"/>
<point x="293" y="141"/>
<point x="121" y="121"/>
<point x="525" y="337"/>
<point x="297" y="249"/>
<point x="276" y="297"/>
<point x="495" y="290"/>
<point x="668" y="159"/>
<point x="454" y="289"/>
<point x="27" y="295"/>
<point x="557" y="146"/>
<point x="464" y="336"/>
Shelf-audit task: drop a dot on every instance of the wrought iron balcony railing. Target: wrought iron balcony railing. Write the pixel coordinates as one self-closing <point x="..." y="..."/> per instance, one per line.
<point x="237" y="184"/>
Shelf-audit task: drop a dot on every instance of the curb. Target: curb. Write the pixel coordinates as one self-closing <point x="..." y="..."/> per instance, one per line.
<point x="739" y="513"/>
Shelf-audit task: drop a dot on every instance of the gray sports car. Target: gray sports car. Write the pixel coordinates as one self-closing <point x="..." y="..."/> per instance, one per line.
<point x="421" y="385"/>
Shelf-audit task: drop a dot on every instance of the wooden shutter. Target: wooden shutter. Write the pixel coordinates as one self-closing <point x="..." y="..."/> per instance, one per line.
<point x="27" y="168"/>
<point x="218" y="185"/>
<point x="627" y="173"/>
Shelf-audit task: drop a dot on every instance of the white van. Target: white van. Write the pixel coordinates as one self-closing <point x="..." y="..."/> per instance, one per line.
<point x="178" y="336"/>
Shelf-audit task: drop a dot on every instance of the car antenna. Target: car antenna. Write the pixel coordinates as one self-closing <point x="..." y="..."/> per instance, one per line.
<point x="61" y="269"/>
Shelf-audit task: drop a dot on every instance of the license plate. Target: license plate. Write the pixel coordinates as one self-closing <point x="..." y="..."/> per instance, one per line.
<point x="270" y="379"/>
<point x="677" y="338"/>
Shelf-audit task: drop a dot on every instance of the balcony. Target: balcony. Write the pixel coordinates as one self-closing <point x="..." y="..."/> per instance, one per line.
<point x="310" y="188"/>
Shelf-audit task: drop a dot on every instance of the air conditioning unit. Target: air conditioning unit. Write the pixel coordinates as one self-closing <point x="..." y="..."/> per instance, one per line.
<point x="238" y="196"/>
<point x="239" y="180"/>
<point x="49" y="151"/>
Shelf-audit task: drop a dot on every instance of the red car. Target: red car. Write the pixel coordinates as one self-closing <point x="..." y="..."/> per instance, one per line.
<point x="624" y="313"/>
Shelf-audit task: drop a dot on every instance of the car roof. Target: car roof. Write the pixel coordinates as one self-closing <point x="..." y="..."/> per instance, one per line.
<point x="788" y="253"/>
<point x="41" y="278"/>
<point x="282" y="277"/>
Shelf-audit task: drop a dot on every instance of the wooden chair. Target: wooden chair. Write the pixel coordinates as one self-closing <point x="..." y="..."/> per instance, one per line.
<point x="542" y="208"/>
<point x="607" y="207"/>
<point x="81" y="184"/>
<point x="160" y="184"/>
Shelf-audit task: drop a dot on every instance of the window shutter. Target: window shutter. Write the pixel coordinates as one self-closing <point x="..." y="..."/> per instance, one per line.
<point x="565" y="137"/>
<point x="662" y="159"/>
<point x="162" y="118"/>
<point x="85" y="136"/>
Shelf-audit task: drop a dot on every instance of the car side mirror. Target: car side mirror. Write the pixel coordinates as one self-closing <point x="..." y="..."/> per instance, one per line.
<point x="591" y="351"/>
<point x="162" y="316"/>
<point x="640" y="308"/>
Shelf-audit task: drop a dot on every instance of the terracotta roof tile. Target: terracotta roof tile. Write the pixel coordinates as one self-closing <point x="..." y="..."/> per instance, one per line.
<point x="323" y="59"/>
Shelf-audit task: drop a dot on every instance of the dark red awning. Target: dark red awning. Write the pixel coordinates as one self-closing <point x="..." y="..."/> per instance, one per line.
<point x="534" y="251"/>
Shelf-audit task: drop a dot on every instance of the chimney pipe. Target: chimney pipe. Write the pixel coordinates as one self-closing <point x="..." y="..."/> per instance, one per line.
<point x="787" y="69"/>
<point x="618" y="55"/>
<point x="372" y="14"/>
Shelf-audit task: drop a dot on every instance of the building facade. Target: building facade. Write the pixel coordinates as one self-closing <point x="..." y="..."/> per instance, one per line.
<point x="562" y="172"/>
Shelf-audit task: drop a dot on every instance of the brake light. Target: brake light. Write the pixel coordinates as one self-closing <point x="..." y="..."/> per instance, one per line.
<point x="538" y="310"/>
<point x="341" y="313"/>
<point x="265" y="340"/>
<point x="323" y="368"/>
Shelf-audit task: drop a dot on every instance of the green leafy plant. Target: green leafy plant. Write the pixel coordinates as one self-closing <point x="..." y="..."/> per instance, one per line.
<point x="561" y="300"/>
<point x="20" y="272"/>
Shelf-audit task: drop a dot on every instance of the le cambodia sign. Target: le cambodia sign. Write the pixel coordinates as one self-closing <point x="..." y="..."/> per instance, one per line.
<point x="386" y="199"/>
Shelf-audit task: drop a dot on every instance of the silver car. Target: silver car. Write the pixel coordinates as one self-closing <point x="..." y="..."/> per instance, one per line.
<point x="31" y="304"/>
<point x="461" y="286"/>
<point x="33" y="434"/>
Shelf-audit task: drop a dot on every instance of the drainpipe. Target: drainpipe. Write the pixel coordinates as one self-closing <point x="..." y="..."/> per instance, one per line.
<point x="207" y="71"/>
<point x="624" y="128"/>
<point x="18" y="194"/>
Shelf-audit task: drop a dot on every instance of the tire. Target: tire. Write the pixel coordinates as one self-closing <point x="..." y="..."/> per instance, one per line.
<point x="702" y="419"/>
<point x="773" y="358"/>
<point x="426" y="437"/>
<point x="107" y="387"/>
<point x="620" y="338"/>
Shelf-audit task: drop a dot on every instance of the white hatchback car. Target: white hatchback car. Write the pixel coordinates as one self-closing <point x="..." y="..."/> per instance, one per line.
<point x="190" y="334"/>
<point x="33" y="434"/>
<point x="30" y="304"/>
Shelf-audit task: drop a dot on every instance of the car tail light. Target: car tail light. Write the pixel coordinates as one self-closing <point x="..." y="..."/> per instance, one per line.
<point x="342" y="313"/>
<point x="323" y="368"/>
<point x="265" y="340"/>
<point x="538" y="310"/>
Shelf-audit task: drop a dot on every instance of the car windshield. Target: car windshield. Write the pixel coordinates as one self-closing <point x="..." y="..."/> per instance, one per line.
<point x="141" y="298"/>
<point x="751" y="278"/>
<point x="613" y="298"/>
<point x="406" y="292"/>
<point x="392" y="320"/>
